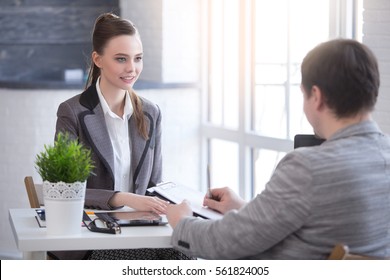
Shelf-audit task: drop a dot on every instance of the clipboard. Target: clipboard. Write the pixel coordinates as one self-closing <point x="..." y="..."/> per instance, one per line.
<point x="177" y="193"/>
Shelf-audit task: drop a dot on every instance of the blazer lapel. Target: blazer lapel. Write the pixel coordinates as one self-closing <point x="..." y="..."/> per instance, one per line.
<point x="139" y="147"/>
<point x="95" y="129"/>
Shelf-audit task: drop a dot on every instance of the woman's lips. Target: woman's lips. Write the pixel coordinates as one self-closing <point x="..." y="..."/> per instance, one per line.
<point x="128" y="80"/>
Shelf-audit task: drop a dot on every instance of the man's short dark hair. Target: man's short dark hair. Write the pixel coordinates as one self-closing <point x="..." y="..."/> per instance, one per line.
<point x="347" y="73"/>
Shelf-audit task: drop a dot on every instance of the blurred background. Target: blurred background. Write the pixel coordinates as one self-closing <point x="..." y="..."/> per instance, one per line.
<point x="225" y="73"/>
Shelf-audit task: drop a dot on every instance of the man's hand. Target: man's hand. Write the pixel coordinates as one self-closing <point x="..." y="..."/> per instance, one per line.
<point x="177" y="212"/>
<point x="223" y="200"/>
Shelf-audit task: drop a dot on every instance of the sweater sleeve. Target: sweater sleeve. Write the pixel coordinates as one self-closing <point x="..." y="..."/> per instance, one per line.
<point x="265" y="221"/>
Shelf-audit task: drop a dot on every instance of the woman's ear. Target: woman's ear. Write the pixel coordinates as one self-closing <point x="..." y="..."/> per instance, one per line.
<point x="96" y="59"/>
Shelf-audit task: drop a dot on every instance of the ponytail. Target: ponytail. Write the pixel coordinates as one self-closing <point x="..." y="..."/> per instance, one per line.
<point x="93" y="75"/>
<point x="139" y="115"/>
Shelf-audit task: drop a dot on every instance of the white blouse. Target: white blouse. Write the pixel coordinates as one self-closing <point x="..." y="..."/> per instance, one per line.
<point x="118" y="130"/>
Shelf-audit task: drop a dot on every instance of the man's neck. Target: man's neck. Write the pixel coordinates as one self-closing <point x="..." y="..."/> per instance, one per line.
<point x="333" y="124"/>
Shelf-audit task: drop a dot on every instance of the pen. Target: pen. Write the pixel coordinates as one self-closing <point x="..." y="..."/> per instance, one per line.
<point x="209" y="182"/>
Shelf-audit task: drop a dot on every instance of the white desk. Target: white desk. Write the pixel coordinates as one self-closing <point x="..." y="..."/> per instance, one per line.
<point x="30" y="237"/>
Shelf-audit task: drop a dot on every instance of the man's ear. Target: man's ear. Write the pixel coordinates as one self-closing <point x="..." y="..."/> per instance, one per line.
<point x="96" y="59"/>
<point x="317" y="97"/>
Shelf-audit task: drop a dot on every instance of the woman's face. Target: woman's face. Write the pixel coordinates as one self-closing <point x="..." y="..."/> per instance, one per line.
<point x="121" y="62"/>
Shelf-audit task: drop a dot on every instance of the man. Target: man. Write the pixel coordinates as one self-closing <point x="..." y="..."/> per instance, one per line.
<point x="338" y="192"/>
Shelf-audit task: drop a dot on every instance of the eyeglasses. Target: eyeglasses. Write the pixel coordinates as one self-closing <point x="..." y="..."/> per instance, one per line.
<point x="102" y="226"/>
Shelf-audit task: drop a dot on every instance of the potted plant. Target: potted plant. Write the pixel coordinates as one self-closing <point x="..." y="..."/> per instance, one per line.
<point x="64" y="168"/>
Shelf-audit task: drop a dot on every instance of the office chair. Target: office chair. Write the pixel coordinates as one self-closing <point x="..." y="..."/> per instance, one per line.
<point x="306" y="140"/>
<point x="34" y="193"/>
<point x="341" y="252"/>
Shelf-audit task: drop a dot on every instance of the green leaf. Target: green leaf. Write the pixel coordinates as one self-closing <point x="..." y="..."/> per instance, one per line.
<point x="66" y="160"/>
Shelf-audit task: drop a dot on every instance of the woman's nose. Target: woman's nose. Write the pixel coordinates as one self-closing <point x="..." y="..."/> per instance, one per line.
<point x="129" y="66"/>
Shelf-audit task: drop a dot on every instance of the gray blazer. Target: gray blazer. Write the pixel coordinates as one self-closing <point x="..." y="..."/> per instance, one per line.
<point x="317" y="197"/>
<point x="82" y="116"/>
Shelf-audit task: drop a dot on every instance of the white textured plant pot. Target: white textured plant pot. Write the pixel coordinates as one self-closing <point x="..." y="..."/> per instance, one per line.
<point x="64" y="205"/>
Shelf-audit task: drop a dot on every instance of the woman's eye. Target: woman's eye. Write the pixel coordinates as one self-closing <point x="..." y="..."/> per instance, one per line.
<point x="121" y="59"/>
<point x="139" y="58"/>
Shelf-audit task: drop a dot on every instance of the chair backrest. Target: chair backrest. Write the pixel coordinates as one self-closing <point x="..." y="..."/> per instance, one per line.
<point x="341" y="252"/>
<point x="34" y="192"/>
<point x="35" y="196"/>
<point x="306" y="140"/>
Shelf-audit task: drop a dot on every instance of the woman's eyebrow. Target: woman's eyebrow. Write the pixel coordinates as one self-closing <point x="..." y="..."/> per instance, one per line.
<point x="123" y="54"/>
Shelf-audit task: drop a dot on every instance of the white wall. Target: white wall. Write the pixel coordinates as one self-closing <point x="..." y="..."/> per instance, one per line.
<point x="27" y="119"/>
<point x="181" y="20"/>
<point x="170" y="34"/>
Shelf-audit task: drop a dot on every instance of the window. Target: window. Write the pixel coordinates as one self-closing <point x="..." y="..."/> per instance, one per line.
<point x="252" y="92"/>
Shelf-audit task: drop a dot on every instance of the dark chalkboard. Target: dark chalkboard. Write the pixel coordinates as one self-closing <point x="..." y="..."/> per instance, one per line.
<point x="41" y="40"/>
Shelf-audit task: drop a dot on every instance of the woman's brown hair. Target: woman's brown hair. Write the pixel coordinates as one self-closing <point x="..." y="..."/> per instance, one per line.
<point x="106" y="27"/>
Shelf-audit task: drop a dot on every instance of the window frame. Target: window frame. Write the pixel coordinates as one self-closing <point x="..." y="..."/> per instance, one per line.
<point x="341" y="19"/>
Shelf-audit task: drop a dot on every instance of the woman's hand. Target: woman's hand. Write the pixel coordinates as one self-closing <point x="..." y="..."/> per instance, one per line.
<point x="149" y="203"/>
<point x="139" y="202"/>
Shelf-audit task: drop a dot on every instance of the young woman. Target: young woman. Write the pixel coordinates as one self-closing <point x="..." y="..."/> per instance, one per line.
<point x="122" y="129"/>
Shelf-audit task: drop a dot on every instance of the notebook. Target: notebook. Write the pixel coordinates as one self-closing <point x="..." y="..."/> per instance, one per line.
<point x="177" y="193"/>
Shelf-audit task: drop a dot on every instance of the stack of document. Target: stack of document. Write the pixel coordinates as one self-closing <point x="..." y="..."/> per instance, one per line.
<point x="177" y="193"/>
